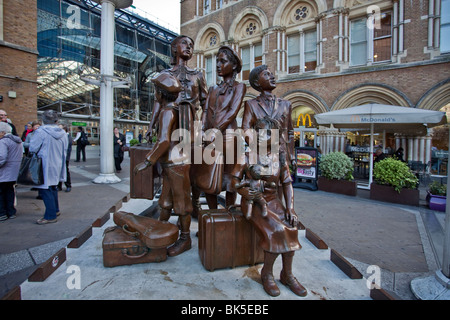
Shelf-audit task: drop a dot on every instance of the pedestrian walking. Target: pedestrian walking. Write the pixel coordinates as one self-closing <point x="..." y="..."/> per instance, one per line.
<point x="50" y="143"/>
<point x="34" y="126"/>
<point x="119" y="143"/>
<point x="10" y="158"/>
<point x="81" y="141"/>
<point x="68" y="182"/>
<point x="28" y="129"/>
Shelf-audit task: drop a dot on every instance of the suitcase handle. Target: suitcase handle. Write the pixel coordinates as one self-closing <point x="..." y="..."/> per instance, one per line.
<point x="125" y="254"/>
<point x="125" y="229"/>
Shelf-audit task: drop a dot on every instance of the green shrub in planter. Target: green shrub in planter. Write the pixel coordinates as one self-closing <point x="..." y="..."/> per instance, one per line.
<point x="336" y="165"/>
<point x="438" y="189"/>
<point x="394" y="173"/>
<point x="134" y="142"/>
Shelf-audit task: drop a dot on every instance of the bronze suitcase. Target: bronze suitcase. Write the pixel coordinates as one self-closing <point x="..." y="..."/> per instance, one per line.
<point x="153" y="233"/>
<point x="146" y="183"/>
<point x="120" y="248"/>
<point x="227" y="240"/>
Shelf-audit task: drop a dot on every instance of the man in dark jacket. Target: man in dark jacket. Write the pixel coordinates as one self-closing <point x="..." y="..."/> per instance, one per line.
<point x="81" y="145"/>
<point x="68" y="182"/>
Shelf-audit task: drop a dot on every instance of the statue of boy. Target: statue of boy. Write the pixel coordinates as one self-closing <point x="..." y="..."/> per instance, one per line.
<point x="176" y="189"/>
<point x="193" y="94"/>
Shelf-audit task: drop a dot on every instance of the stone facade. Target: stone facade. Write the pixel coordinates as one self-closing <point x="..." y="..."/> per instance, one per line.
<point x="416" y="73"/>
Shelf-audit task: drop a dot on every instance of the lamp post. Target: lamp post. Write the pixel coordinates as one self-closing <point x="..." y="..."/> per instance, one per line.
<point x="437" y="286"/>
<point x="108" y="82"/>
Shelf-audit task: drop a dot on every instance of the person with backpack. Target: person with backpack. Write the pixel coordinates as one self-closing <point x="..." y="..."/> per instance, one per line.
<point x="82" y="142"/>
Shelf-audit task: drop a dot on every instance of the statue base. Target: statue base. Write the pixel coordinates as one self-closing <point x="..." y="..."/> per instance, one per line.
<point x="106" y="178"/>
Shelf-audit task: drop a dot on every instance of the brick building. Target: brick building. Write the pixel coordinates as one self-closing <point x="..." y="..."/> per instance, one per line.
<point x="333" y="54"/>
<point x="18" y="61"/>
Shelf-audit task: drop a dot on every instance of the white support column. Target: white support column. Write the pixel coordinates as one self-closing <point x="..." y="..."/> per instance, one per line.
<point x="329" y="144"/>
<point x="410" y="149"/>
<point x="332" y="144"/>
<point x="343" y="136"/>
<point x="428" y="150"/>
<point x="415" y="149"/>
<point x="397" y="142"/>
<point x="421" y="149"/>
<point x="107" y="172"/>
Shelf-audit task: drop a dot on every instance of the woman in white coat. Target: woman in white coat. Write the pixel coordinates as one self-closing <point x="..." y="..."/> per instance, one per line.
<point x="50" y="142"/>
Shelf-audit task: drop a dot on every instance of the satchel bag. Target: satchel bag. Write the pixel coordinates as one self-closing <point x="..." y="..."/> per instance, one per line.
<point x="208" y="177"/>
<point x="31" y="171"/>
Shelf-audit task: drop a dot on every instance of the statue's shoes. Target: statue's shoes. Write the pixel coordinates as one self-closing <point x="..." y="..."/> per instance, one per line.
<point x="270" y="285"/>
<point x="293" y="284"/>
<point x="180" y="246"/>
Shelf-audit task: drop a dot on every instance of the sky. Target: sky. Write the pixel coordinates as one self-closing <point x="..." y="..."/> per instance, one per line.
<point x="165" y="13"/>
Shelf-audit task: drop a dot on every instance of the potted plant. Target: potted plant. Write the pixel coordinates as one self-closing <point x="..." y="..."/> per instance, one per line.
<point x="336" y="170"/>
<point x="437" y="196"/>
<point x="134" y="142"/>
<point x="394" y="182"/>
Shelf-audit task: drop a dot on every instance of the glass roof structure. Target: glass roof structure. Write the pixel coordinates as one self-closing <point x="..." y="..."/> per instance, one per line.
<point x="69" y="51"/>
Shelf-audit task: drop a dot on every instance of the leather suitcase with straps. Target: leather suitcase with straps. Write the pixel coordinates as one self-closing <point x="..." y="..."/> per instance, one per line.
<point x="121" y="248"/>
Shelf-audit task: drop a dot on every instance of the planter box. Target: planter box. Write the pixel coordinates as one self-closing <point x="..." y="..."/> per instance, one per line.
<point x="337" y="186"/>
<point x="437" y="203"/>
<point x="388" y="194"/>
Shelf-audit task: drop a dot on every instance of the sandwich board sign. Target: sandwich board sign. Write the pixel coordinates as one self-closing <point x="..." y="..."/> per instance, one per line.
<point x="307" y="168"/>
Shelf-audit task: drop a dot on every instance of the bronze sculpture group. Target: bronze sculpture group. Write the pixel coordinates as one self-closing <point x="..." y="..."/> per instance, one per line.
<point x="181" y="95"/>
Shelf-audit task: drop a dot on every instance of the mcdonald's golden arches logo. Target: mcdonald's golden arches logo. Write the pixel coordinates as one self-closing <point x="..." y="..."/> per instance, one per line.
<point x="355" y="118"/>
<point x="303" y="118"/>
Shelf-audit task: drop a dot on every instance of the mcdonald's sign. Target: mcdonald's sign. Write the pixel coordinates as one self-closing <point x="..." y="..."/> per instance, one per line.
<point x="355" y="118"/>
<point x="303" y="118"/>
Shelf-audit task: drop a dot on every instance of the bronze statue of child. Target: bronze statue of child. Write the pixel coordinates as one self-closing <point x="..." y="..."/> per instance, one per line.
<point x="175" y="194"/>
<point x="257" y="184"/>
